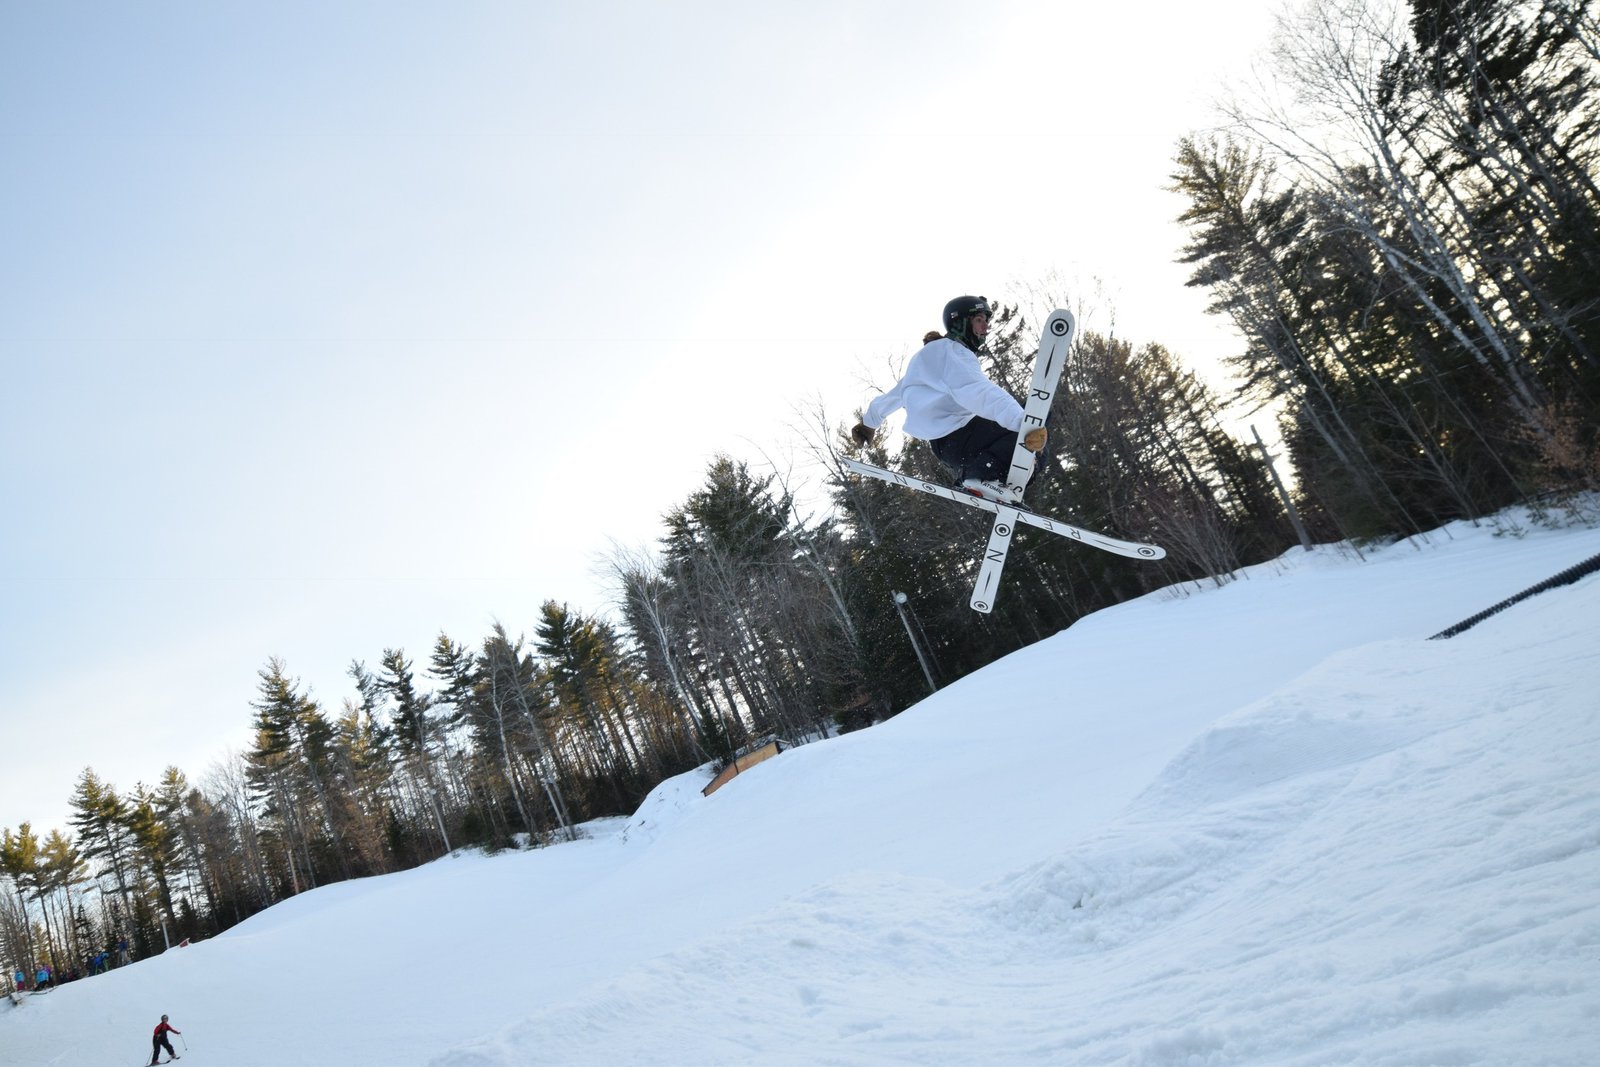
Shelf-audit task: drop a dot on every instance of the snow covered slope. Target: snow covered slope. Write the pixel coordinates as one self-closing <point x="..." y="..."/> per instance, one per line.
<point x="1263" y="824"/>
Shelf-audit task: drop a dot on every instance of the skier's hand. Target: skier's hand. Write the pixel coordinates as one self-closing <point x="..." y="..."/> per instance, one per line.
<point x="1034" y="439"/>
<point x="861" y="434"/>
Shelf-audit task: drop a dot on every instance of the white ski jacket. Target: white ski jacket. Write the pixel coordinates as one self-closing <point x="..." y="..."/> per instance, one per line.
<point x="943" y="388"/>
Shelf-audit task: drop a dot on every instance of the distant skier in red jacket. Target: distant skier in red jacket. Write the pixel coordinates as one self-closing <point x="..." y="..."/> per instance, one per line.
<point x="159" y="1041"/>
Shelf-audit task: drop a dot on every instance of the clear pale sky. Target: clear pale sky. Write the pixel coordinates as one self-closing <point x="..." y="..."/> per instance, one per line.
<point x="327" y="327"/>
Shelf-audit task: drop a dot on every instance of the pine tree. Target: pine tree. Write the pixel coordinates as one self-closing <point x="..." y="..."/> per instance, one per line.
<point x="276" y="770"/>
<point x="155" y="844"/>
<point x="414" y="734"/>
<point x="20" y="862"/>
<point x="62" y="871"/>
<point x="100" y="818"/>
<point x="576" y="662"/>
<point x="176" y="810"/>
<point x="516" y="693"/>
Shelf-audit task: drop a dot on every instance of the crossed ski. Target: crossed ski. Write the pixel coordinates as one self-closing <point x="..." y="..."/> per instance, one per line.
<point x="1010" y="514"/>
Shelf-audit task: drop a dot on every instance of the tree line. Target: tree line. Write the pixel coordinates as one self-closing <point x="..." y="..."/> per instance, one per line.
<point x="1407" y="241"/>
<point x="1404" y="225"/>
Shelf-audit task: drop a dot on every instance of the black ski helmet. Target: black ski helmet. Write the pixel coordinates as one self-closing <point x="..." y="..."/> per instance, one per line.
<point x="958" y="318"/>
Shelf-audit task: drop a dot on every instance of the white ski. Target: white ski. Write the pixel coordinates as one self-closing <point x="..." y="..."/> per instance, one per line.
<point x="994" y="558"/>
<point x="1055" y="342"/>
<point x="1012" y="515"/>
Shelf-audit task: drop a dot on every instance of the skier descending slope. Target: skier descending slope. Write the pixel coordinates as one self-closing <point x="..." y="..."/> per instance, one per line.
<point x="160" y="1041"/>
<point x="970" y="421"/>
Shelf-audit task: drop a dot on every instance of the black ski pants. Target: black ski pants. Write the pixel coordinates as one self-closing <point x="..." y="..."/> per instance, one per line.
<point x="159" y="1042"/>
<point x="980" y="449"/>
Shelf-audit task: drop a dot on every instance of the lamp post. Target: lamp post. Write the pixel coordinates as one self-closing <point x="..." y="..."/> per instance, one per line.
<point x="916" y="646"/>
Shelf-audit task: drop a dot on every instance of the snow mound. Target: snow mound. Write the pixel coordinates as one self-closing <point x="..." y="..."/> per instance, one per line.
<point x="1359" y="867"/>
<point x="667" y="804"/>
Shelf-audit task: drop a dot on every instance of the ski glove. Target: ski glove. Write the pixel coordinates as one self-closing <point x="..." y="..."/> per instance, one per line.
<point x="861" y="433"/>
<point x="1033" y="440"/>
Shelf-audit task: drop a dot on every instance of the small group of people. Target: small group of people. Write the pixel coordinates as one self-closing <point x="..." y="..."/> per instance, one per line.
<point x="44" y="978"/>
<point x="971" y="422"/>
<point x="48" y="977"/>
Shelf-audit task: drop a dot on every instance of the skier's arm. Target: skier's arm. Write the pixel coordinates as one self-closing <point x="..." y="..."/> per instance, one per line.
<point x="884" y="406"/>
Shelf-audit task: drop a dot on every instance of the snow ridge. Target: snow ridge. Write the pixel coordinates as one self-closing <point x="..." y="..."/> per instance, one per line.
<point x="1357" y="868"/>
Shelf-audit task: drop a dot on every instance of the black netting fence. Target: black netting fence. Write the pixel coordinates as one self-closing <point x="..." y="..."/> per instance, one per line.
<point x="1566" y="577"/>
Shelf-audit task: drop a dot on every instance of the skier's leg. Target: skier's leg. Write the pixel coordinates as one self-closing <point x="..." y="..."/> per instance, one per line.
<point x="995" y="452"/>
<point x="980" y="449"/>
<point x="950" y="452"/>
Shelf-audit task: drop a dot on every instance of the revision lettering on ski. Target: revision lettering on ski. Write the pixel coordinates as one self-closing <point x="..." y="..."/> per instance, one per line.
<point x="1054" y="345"/>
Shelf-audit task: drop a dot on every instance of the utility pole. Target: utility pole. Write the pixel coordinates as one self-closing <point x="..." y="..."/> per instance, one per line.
<point x="1283" y="494"/>
<point x="916" y="646"/>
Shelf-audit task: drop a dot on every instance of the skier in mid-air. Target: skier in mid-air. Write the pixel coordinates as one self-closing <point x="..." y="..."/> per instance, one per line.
<point x="160" y="1041"/>
<point x="970" y="421"/>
